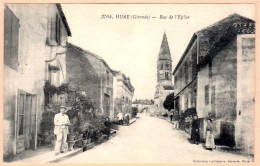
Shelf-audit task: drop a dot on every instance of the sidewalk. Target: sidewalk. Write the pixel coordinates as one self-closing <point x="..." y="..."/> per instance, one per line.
<point x="132" y="120"/>
<point x="221" y="148"/>
<point x="44" y="154"/>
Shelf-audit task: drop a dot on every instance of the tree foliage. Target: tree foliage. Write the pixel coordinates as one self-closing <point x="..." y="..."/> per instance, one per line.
<point x="134" y="111"/>
<point x="169" y="102"/>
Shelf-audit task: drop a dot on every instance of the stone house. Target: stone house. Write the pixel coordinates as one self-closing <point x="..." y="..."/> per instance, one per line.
<point x="88" y="72"/>
<point x="164" y="84"/>
<point x="123" y="94"/>
<point x="185" y="78"/>
<point x="35" y="39"/>
<point x="225" y="81"/>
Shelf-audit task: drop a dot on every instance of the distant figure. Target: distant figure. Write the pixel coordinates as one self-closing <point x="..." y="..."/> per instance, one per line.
<point x="107" y="124"/>
<point x="61" y="122"/>
<point x="120" y="118"/>
<point x="176" y="119"/>
<point x="195" y="134"/>
<point x="210" y="142"/>
<point x="127" y="118"/>
<point x="171" y="115"/>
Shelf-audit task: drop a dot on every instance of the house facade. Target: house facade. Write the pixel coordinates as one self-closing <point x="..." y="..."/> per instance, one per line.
<point x="226" y="81"/>
<point x="88" y="72"/>
<point x="124" y="93"/>
<point x="164" y="84"/>
<point x="185" y="78"/>
<point x="215" y="77"/>
<point x="34" y="45"/>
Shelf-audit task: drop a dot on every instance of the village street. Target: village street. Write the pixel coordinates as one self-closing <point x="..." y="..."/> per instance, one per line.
<point x="151" y="140"/>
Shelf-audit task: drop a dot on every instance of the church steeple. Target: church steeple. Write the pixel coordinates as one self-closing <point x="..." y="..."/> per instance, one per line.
<point x="164" y="63"/>
<point x="164" y="75"/>
<point x="164" y="53"/>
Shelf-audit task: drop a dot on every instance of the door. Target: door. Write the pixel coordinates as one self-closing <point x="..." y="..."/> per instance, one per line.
<point x="20" y="142"/>
<point x="27" y="120"/>
<point x="213" y="111"/>
<point x="107" y="104"/>
<point x="177" y="103"/>
<point x="26" y="123"/>
<point x="33" y="133"/>
<point x="227" y="134"/>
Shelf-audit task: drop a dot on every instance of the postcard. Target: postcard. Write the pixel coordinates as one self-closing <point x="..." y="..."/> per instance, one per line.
<point x="129" y="83"/>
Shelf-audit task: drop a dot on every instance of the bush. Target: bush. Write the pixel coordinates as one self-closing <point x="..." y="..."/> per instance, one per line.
<point x="85" y="118"/>
<point x="165" y="115"/>
<point x="134" y="112"/>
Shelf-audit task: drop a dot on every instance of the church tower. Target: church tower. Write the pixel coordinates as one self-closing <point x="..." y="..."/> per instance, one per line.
<point x="164" y="75"/>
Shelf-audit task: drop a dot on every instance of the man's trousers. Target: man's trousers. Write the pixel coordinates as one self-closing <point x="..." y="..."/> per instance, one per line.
<point x="61" y="142"/>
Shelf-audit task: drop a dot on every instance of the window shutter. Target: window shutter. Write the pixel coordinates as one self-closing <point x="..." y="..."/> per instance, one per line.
<point x="57" y="29"/>
<point x="15" y="42"/>
<point x="11" y="39"/>
<point x="56" y="34"/>
<point x="7" y="36"/>
<point x="59" y="32"/>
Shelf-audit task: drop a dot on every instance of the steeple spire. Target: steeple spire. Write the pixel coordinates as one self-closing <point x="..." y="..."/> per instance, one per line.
<point x="164" y="53"/>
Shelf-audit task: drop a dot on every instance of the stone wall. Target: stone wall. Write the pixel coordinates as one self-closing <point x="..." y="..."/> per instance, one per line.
<point x="88" y="72"/>
<point x="223" y="80"/>
<point x="81" y="73"/>
<point x="245" y="93"/>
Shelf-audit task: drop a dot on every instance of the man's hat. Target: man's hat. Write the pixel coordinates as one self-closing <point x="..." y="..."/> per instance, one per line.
<point x="63" y="107"/>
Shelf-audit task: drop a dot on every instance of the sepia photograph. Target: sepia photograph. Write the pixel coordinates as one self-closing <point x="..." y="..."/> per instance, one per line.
<point x="129" y="83"/>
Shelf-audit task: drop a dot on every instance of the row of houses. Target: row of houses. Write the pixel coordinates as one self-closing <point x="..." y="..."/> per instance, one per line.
<point x="140" y="104"/>
<point x="215" y="75"/>
<point x="36" y="51"/>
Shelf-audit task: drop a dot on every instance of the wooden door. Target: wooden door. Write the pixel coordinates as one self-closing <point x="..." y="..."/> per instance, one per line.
<point x="107" y="104"/>
<point x="33" y="141"/>
<point x="27" y="120"/>
<point x="20" y="135"/>
<point x="213" y="111"/>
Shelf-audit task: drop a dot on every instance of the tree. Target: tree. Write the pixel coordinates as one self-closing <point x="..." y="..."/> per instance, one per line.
<point x="134" y="111"/>
<point x="152" y="101"/>
<point x="169" y="102"/>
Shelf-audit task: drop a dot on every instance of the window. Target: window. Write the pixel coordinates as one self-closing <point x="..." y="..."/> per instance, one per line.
<point x="167" y="76"/>
<point x="207" y="95"/>
<point x="11" y="39"/>
<point x="210" y="68"/>
<point x="183" y="103"/>
<point x="21" y="114"/>
<point x="161" y="66"/>
<point x="186" y="73"/>
<point x="167" y="66"/>
<point x="107" y="77"/>
<point x="58" y="30"/>
<point x="189" y="101"/>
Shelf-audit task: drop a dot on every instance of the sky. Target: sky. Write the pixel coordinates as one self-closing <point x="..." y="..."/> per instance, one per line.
<point x="132" y="45"/>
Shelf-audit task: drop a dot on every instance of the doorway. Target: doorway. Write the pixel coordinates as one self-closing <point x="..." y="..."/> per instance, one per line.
<point x="107" y="104"/>
<point x="26" y="122"/>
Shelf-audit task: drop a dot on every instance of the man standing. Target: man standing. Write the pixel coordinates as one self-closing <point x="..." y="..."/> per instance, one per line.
<point x="61" y="130"/>
<point x="195" y="135"/>
<point x="120" y="118"/>
<point x="176" y="119"/>
<point x="127" y="118"/>
<point x="171" y="114"/>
